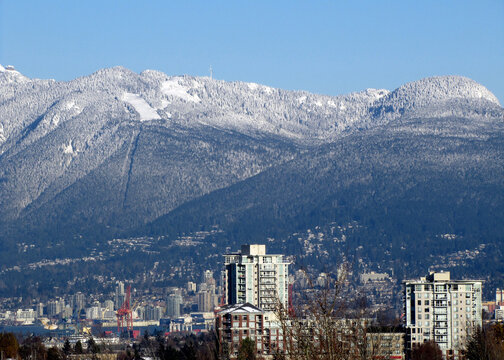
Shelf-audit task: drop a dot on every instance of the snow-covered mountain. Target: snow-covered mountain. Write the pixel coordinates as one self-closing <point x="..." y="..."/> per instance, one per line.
<point x="245" y="107"/>
<point x="115" y="150"/>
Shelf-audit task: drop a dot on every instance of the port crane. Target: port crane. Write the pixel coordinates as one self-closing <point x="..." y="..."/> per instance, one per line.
<point x="125" y="314"/>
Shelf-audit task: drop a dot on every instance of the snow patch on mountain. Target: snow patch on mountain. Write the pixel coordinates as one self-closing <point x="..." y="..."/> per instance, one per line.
<point x="143" y="109"/>
<point x="69" y="105"/>
<point x="2" y="134"/>
<point x="173" y="88"/>
<point x="68" y="148"/>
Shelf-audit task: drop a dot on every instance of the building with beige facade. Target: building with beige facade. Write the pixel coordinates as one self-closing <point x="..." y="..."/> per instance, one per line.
<point x="441" y="309"/>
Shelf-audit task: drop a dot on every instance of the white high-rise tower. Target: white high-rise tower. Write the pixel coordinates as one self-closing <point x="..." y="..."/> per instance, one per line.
<point x="444" y="310"/>
<point x="254" y="277"/>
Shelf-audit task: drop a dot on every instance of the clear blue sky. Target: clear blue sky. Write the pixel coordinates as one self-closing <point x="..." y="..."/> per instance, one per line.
<point x="328" y="47"/>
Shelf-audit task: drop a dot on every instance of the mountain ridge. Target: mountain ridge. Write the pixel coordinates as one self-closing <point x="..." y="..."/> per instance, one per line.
<point x="117" y="153"/>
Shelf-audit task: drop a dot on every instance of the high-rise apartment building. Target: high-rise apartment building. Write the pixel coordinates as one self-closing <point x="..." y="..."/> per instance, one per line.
<point x="173" y="303"/>
<point x="55" y="307"/>
<point x="119" y="295"/>
<point x="153" y="312"/>
<point x="79" y="301"/>
<point x="444" y="310"/>
<point x="108" y="305"/>
<point x="206" y="301"/>
<point x="252" y="276"/>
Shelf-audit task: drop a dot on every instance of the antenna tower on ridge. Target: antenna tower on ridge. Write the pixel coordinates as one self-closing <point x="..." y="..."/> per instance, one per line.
<point x="211" y="72"/>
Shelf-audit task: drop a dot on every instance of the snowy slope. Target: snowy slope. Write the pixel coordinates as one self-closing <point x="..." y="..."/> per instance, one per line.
<point x="203" y="133"/>
<point x="244" y="107"/>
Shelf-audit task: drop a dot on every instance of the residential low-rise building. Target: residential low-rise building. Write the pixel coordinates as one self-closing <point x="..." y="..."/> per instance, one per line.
<point x="234" y="323"/>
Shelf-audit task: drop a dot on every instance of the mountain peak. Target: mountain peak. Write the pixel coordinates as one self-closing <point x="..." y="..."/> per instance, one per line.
<point x="11" y="75"/>
<point x="442" y="88"/>
<point x="437" y="96"/>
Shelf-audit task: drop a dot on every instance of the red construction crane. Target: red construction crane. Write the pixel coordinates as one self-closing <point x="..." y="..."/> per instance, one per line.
<point x="124" y="313"/>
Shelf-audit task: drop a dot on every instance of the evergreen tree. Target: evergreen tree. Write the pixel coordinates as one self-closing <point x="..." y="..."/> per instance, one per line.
<point x="54" y="354"/>
<point x="247" y="350"/>
<point x="486" y="344"/>
<point x="78" y="347"/>
<point x="93" y="347"/>
<point x="67" y="348"/>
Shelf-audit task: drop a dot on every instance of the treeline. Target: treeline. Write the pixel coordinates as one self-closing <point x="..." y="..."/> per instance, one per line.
<point x="33" y="348"/>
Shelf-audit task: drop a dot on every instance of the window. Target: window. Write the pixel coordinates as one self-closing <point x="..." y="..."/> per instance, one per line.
<point x="426" y="302"/>
<point x="419" y="302"/>
<point x="419" y="316"/>
<point x="426" y="316"/>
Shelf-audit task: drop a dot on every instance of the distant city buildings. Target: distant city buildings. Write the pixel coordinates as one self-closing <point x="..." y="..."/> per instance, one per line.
<point x="252" y="276"/>
<point x="444" y="310"/>
<point x="242" y="304"/>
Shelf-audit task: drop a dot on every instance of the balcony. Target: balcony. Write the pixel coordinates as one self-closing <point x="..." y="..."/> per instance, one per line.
<point x="441" y="339"/>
